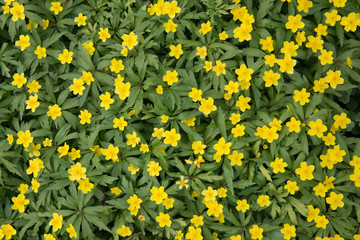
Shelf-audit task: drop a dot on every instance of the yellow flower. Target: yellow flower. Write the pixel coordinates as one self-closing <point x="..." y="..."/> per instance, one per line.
<point x="321" y="30"/>
<point x="33" y="86"/>
<point x="271" y="78"/>
<point x="45" y="22"/>
<point x="54" y="111"/>
<point x="6" y="10"/>
<point x="106" y="100"/>
<point x="237" y="237"/>
<point x="49" y="236"/>
<point x="133" y="140"/>
<point x="104" y="34"/>
<point x="235" y="158"/>
<point x="111" y="152"/>
<point x="305" y="171"/>
<point x="171" y="8"/>
<point x="205" y="28"/>
<point x="301" y="96"/>
<point x="40" y="52"/>
<point x="10" y="138"/>
<point x="317" y="128"/>
<point x="208" y="66"/>
<point x="326" y="57"/>
<point x="335" y="200"/>
<point x="32" y="103"/>
<point x="85" y="186"/>
<point x="81" y="20"/>
<point x="65" y="57"/>
<point x="223" y="36"/>
<point x="341" y="121"/>
<point x="243" y="32"/>
<point x="243" y="103"/>
<point x="182" y="183"/>
<point x="116" y="65"/>
<point x="77" y="87"/>
<point x="133" y="170"/>
<point x="332" y="17"/>
<point x="270" y="60"/>
<point x="304" y="5"/>
<point x="334" y="78"/>
<point x="24" y="138"/>
<point x="190" y="122"/>
<point x="289" y="49"/>
<point x="85" y="117"/>
<point x="278" y="165"/>
<point x="194" y="233"/>
<point x="129" y="40"/>
<point x="195" y="94"/>
<point x="71" y="231"/>
<point x="171" y="137"/>
<point x="77" y="172"/>
<point x="123" y="90"/>
<point x="321" y="222"/>
<point x="171" y="77"/>
<point x="315" y="43"/>
<point x="207" y="106"/>
<point x="339" y="3"/>
<point x="256" y="232"/>
<point x="320" y="85"/>
<point x="63" y="150"/>
<point x="201" y="52"/>
<point x="144" y="148"/>
<point x="349" y="62"/>
<point x="170" y="26"/>
<point x="291" y="187"/>
<point x="238" y="130"/>
<point x="294" y="23"/>
<point x="209" y="194"/>
<point x="163" y="219"/>
<point x="7" y="229"/>
<point x="320" y="190"/>
<point x="288" y="231"/>
<point x="219" y="68"/>
<point x="35" y="166"/>
<point x="287" y="64"/>
<point x="74" y="154"/>
<point x="159" y="133"/>
<point x="242" y="205"/>
<point x="115" y="190"/>
<point x="198" y="147"/>
<point x="221" y="147"/>
<point x="232" y="87"/>
<point x="35" y="185"/>
<point x="263" y="200"/>
<point x="56" y="222"/>
<point x="17" y="11"/>
<point x="19" y="80"/>
<point x="158" y="194"/>
<point x="159" y="89"/>
<point x="197" y="220"/>
<point x="214" y="209"/>
<point x="120" y="123"/>
<point x="124" y="231"/>
<point x="56" y="7"/>
<point x="154" y="168"/>
<point x="300" y="38"/>
<point x="267" y="44"/>
<point x="89" y="47"/>
<point x="19" y="203"/>
<point x="24" y="42"/>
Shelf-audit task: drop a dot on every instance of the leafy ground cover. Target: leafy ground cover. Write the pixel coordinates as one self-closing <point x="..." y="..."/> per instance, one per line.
<point x="196" y="119"/>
